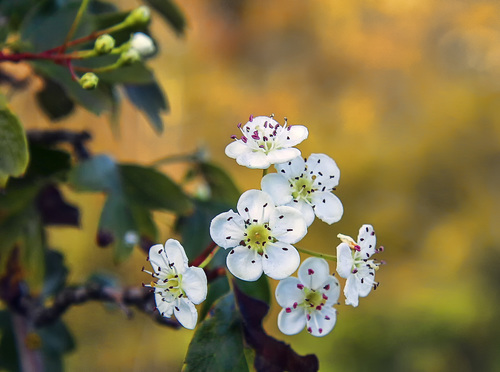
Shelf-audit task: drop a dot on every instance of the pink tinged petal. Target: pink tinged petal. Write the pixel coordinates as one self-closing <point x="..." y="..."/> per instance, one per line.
<point x="236" y="148"/>
<point x="165" y="308"/>
<point x="367" y="241"/>
<point x="294" y="134"/>
<point x="305" y="210"/>
<point x="288" y="293"/>
<point x="194" y="283"/>
<point x="313" y="272"/>
<point x="186" y="313"/>
<point x="244" y="263"/>
<point x="291" y="323"/>
<point x="280" y="260"/>
<point x="344" y="260"/>
<point x="253" y="159"/>
<point x="292" y="168"/>
<point x="157" y="257"/>
<point x="327" y="207"/>
<point x="325" y="169"/>
<point x="330" y="289"/>
<point x="322" y="322"/>
<point x="255" y="205"/>
<point x="351" y="291"/>
<point x="176" y="255"/>
<point x="287" y="224"/>
<point x="227" y="229"/>
<point x="278" y="187"/>
<point x="282" y="155"/>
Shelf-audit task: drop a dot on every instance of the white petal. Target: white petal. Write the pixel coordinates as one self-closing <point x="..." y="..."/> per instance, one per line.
<point x="244" y="263"/>
<point x="351" y="291"/>
<point x="157" y="257"/>
<point x="236" y="148"/>
<point x="313" y="272"/>
<point x="287" y="224"/>
<point x="325" y="169"/>
<point x="366" y="279"/>
<point x="227" y="229"/>
<point x="327" y="207"/>
<point x="305" y="210"/>
<point x="322" y="322"/>
<point x="344" y="260"/>
<point x="186" y="313"/>
<point x="278" y="187"/>
<point x="255" y="205"/>
<point x="331" y="289"/>
<point x="176" y="255"/>
<point x="367" y="241"/>
<point x="292" y="168"/>
<point x="291" y="323"/>
<point x="253" y="159"/>
<point x="165" y="308"/>
<point x="194" y="283"/>
<point x="294" y="134"/>
<point x="280" y="260"/>
<point x="282" y="155"/>
<point x="288" y="292"/>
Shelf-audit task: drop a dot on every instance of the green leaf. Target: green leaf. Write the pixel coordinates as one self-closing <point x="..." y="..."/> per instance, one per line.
<point x="13" y="147"/>
<point x="99" y="173"/>
<point x="217" y="344"/>
<point x="216" y="290"/>
<point x="47" y="164"/>
<point x="259" y="289"/>
<point x="171" y="13"/>
<point x="149" y="188"/>
<point x="55" y="273"/>
<point x="56" y="338"/>
<point x="221" y="185"/>
<point x="137" y="73"/>
<point x="8" y="351"/>
<point x="150" y="99"/>
<point x="54" y="101"/>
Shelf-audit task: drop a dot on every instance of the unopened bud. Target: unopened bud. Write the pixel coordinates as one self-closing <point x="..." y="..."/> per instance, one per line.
<point x="104" y="44"/>
<point x="89" y="81"/>
<point x="139" y="16"/>
<point x="129" y="57"/>
<point x="142" y="43"/>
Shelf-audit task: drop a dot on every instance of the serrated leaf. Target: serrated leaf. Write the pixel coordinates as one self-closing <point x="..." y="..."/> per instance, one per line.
<point x="149" y="99"/>
<point x="171" y="13"/>
<point x="54" y="101"/>
<point x="149" y="188"/>
<point x="217" y="344"/>
<point x="221" y="185"/>
<point x="14" y="154"/>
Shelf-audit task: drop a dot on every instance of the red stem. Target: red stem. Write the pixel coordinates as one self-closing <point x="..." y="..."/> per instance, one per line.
<point x="206" y="252"/>
<point x="57" y="58"/>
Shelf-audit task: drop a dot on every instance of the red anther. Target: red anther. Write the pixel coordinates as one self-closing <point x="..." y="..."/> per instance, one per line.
<point x="300" y="286"/>
<point x="250" y="118"/>
<point x="288" y="310"/>
<point x="357" y="248"/>
<point x="310" y="271"/>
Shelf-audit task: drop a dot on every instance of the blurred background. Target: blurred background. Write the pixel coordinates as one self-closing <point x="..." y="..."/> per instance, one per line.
<point x="404" y="95"/>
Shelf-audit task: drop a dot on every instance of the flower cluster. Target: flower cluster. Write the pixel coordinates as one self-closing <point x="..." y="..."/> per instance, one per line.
<point x="260" y="236"/>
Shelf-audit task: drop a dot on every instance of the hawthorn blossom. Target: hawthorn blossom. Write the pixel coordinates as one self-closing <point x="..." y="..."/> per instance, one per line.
<point x="264" y="142"/>
<point x="308" y="300"/>
<point x="307" y="185"/>
<point x="260" y="237"/>
<point x="178" y="287"/>
<point x="142" y="43"/>
<point x="354" y="264"/>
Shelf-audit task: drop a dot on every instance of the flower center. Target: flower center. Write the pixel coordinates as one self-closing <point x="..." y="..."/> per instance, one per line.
<point x="313" y="300"/>
<point x="257" y="236"/>
<point x="302" y="188"/>
<point x="170" y="286"/>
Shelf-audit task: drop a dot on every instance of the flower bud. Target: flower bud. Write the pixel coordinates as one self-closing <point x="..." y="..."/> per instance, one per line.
<point x="89" y="81"/>
<point x="129" y="57"/>
<point x="104" y="44"/>
<point x="139" y="16"/>
<point x="142" y="43"/>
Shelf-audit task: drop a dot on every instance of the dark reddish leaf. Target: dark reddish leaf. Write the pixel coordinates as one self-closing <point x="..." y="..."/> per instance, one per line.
<point x="271" y="355"/>
<point x="54" y="210"/>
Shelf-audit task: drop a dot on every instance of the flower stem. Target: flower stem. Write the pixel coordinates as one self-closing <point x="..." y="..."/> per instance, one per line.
<point x="211" y="255"/>
<point x="316" y="254"/>
<point x="76" y="22"/>
<point x="205" y="256"/>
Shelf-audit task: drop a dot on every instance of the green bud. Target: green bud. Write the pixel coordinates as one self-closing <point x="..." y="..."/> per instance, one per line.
<point x="104" y="44"/>
<point x="89" y="81"/>
<point x="129" y="57"/>
<point x="139" y="16"/>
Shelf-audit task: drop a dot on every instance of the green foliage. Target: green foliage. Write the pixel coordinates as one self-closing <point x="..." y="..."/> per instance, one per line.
<point x="149" y="99"/>
<point x="170" y="12"/>
<point x="13" y="147"/>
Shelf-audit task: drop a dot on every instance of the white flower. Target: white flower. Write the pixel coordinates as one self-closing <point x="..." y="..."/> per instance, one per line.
<point x="142" y="43"/>
<point x="308" y="300"/>
<point x="260" y="237"/>
<point x="307" y="184"/>
<point x="265" y="142"/>
<point x="178" y="287"/>
<point x="354" y="264"/>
